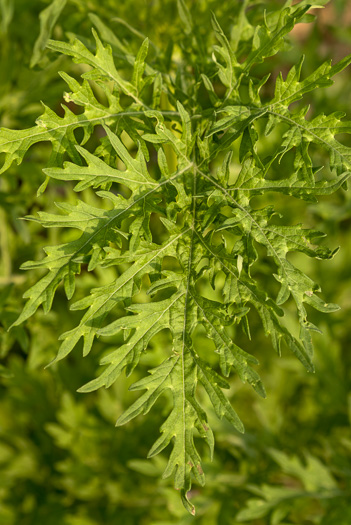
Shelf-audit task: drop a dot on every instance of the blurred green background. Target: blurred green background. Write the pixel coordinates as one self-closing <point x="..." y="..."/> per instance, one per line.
<point x="62" y="461"/>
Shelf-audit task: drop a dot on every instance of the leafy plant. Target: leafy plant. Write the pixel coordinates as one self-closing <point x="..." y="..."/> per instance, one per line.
<point x="183" y="146"/>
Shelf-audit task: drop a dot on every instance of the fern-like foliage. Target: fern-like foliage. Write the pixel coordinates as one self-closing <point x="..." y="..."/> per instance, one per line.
<point x="181" y="145"/>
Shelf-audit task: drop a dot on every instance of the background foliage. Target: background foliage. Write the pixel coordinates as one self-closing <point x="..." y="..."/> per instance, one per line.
<point x="61" y="459"/>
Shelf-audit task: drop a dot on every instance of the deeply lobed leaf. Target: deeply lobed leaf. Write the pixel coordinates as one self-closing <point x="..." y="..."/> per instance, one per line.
<point x="166" y="156"/>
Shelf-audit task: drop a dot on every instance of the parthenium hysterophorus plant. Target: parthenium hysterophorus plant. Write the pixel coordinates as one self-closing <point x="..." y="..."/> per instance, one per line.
<point x="180" y="147"/>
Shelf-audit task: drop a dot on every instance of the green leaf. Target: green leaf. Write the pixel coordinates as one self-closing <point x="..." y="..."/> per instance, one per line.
<point x="139" y="66"/>
<point x="317" y="481"/>
<point x="185" y="16"/>
<point x="48" y="18"/>
<point x="97" y="173"/>
<point x="175" y="166"/>
<point x="102" y="63"/>
<point x="268" y="41"/>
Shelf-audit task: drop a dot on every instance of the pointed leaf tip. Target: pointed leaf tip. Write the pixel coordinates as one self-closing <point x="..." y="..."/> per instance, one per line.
<point x="187" y="504"/>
